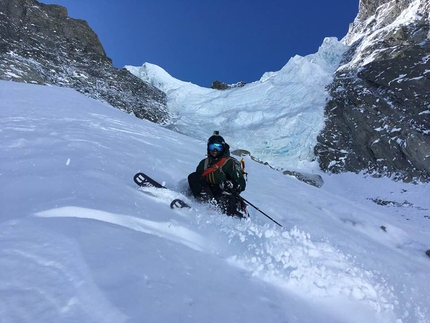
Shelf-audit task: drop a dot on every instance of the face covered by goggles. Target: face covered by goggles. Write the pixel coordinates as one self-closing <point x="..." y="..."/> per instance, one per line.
<point x="216" y="147"/>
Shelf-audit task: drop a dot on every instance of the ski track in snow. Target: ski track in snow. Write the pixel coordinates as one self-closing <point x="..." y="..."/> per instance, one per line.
<point x="288" y="259"/>
<point x="167" y="230"/>
<point x="64" y="289"/>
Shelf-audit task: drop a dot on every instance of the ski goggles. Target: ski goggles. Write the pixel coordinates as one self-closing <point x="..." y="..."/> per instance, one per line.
<point x="218" y="147"/>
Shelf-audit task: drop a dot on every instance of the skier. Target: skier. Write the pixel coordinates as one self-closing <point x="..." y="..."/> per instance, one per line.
<point x="218" y="178"/>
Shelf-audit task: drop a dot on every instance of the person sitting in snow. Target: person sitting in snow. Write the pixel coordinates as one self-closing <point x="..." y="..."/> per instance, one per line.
<point x="219" y="178"/>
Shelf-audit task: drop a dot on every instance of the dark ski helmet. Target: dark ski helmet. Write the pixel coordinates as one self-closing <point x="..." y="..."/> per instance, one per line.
<point x="216" y="142"/>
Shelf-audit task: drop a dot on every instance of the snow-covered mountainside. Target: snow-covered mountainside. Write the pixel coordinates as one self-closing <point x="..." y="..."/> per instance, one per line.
<point x="277" y="119"/>
<point x="80" y="243"/>
<point x="41" y="44"/>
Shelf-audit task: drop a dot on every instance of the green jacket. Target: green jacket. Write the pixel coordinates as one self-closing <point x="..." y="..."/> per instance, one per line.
<point x="230" y="170"/>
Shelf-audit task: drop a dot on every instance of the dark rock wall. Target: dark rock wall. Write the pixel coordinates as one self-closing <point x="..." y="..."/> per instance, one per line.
<point x="378" y="117"/>
<point x="40" y="44"/>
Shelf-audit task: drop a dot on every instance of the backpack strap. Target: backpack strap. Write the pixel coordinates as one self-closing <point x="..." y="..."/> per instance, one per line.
<point x="214" y="167"/>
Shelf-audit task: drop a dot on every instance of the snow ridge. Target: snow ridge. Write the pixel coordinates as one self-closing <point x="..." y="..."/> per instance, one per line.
<point x="270" y="118"/>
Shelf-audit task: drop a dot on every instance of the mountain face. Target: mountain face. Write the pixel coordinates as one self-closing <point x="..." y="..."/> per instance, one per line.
<point x="378" y="117"/>
<point x="40" y="44"/>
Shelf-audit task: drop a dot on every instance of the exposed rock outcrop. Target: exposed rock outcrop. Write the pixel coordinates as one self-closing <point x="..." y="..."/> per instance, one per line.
<point x="378" y="117"/>
<point x="218" y="85"/>
<point x="40" y="44"/>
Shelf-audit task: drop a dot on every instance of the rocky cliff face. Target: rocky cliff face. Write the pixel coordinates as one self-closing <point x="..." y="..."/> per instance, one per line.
<point x="40" y="44"/>
<point x="378" y="118"/>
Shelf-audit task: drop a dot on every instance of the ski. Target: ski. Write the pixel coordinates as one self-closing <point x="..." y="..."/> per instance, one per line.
<point x="143" y="180"/>
<point x="178" y="204"/>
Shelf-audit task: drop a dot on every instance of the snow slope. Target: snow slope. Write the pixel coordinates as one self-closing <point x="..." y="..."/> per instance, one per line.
<point x="80" y="243"/>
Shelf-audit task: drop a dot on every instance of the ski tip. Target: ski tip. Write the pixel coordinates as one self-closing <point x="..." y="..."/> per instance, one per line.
<point x="178" y="204"/>
<point x="428" y="252"/>
<point x="138" y="179"/>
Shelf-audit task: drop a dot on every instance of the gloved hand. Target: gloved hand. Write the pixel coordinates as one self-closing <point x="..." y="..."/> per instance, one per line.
<point x="228" y="186"/>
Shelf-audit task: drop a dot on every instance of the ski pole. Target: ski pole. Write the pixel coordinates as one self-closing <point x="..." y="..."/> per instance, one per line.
<point x="259" y="210"/>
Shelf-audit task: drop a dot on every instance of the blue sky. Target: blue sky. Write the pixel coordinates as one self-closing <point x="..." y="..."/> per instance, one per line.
<point x="203" y="41"/>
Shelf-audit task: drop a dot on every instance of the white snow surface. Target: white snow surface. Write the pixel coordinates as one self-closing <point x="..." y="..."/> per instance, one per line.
<point x="277" y="118"/>
<point x="81" y="243"/>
